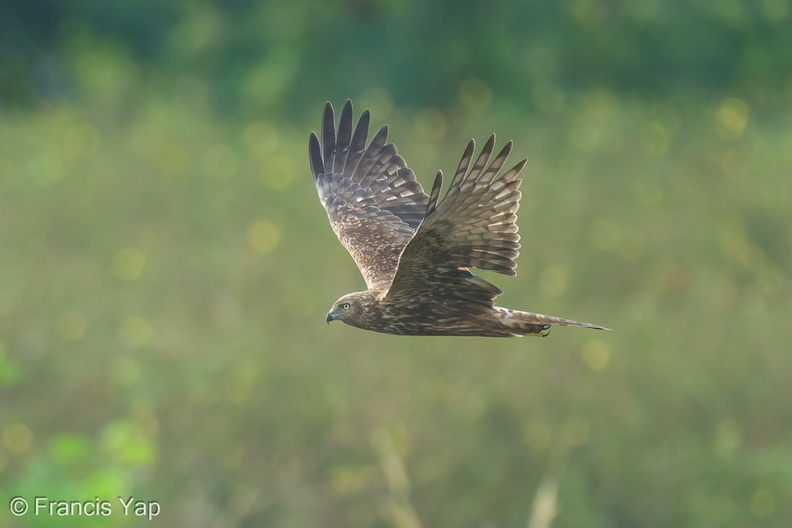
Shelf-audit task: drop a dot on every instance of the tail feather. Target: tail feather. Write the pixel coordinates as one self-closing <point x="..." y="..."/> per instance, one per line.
<point x="534" y="324"/>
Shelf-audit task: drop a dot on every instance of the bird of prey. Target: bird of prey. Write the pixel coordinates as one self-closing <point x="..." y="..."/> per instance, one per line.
<point x="414" y="250"/>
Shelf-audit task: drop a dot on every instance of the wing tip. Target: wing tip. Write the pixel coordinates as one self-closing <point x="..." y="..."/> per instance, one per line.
<point x="490" y="142"/>
<point x="315" y="155"/>
<point x="435" y="194"/>
<point x="518" y="168"/>
<point x="346" y="110"/>
<point x="328" y="114"/>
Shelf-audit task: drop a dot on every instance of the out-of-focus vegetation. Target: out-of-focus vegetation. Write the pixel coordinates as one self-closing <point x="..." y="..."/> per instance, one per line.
<point x="166" y="265"/>
<point x="248" y="56"/>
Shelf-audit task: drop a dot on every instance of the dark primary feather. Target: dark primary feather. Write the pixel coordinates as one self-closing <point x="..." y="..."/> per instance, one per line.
<point x="473" y="226"/>
<point x="372" y="198"/>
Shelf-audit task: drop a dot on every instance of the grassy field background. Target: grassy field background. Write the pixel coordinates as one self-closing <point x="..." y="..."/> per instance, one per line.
<point x="166" y="270"/>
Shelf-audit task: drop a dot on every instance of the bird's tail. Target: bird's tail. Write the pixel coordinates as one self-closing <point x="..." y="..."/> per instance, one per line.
<point x="534" y="324"/>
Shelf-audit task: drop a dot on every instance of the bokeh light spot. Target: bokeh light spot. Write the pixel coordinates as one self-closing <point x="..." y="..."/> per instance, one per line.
<point x="108" y="481"/>
<point x="595" y="355"/>
<point x="732" y="117"/>
<point x="474" y="94"/>
<point x="263" y="236"/>
<point x="589" y="13"/>
<point x="590" y="125"/>
<point x="728" y="437"/>
<point x="605" y="234"/>
<point x="128" y="264"/>
<point x="136" y="331"/>
<point x="127" y="443"/>
<point x="17" y="438"/>
<point x="348" y="479"/>
<point x="45" y="169"/>
<point x="68" y="448"/>
<point x="260" y="136"/>
<point x="71" y="325"/>
<point x="600" y="105"/>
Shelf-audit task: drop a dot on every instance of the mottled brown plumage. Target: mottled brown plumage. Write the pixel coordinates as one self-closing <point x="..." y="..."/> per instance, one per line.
<point x="415" y="250"/>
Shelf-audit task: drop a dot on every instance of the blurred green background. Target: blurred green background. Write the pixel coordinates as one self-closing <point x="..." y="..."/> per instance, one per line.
<point x="166" y="265"/>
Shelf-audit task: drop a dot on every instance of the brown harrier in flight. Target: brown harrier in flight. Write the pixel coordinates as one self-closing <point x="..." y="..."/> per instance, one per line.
<point x="415" y="250"/>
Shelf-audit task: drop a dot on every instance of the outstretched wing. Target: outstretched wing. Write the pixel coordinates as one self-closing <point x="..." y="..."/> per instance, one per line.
<point x="473" y="226"/>
<point x="372" y="198"/>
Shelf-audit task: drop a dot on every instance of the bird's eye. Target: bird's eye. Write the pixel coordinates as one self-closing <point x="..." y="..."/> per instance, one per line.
<point x="345" y="306"/>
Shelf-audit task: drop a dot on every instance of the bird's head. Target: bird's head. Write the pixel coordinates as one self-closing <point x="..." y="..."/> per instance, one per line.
<point x="351" y="309"/>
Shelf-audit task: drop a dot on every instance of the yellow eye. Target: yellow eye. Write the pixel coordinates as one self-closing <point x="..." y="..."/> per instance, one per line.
<point x="345" y="306"/>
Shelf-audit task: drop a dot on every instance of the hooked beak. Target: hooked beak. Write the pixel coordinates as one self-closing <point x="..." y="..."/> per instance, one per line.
<point x="330" y="317"/>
